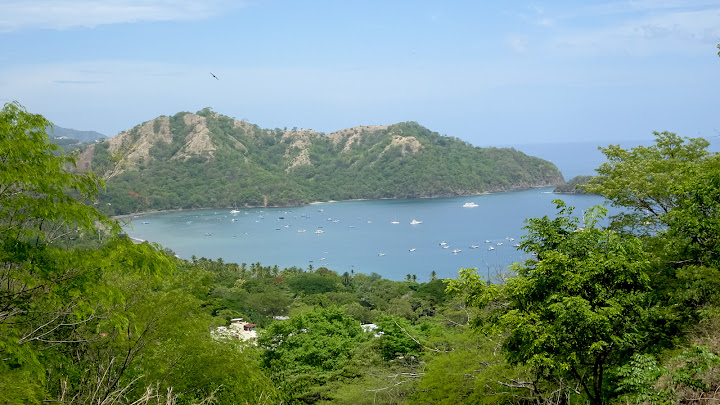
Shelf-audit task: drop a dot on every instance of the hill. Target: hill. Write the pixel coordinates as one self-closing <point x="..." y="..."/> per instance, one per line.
<point x="572" y="186"/>
<point x="210" y="160"/>
<point x="67" y="133"/>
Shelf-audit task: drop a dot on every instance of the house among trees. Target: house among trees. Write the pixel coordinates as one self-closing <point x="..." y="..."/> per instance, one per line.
<point x="238" y="329"/>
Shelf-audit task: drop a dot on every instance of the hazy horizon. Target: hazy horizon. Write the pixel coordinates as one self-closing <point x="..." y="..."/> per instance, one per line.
<point x="487" y="73"/>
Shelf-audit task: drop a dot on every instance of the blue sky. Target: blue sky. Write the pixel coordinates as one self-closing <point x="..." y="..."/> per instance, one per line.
<point x="491" y="73"/>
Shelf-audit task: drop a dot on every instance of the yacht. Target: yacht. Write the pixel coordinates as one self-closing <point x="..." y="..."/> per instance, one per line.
<point x="469" y="205"/>
<point x="415" y="222"/>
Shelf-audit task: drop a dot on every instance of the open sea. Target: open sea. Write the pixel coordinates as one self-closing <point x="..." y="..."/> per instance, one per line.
<point x="363" y="236"/>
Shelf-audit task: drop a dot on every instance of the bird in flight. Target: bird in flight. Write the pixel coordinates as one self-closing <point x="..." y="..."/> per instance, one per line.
<point x="214" y="76"/>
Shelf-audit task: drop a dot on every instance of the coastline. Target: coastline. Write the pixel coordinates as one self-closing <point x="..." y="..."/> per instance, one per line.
<point x="139" y="214"/>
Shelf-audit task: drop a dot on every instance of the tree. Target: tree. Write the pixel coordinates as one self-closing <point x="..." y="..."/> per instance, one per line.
<point x="643" y="179"/>
<point x="576" y="310"/>
<point x="309" y="350"/>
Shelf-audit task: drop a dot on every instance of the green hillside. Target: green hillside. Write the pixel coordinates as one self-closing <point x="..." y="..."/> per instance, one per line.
<point x="210" y="160"/>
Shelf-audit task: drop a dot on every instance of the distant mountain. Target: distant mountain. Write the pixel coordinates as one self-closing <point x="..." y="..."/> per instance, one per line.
<point x="66" y="133"/>
<point x="210" y="160"/>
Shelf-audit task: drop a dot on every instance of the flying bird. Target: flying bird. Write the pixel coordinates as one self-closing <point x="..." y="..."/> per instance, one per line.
<point x="214" y="76"/>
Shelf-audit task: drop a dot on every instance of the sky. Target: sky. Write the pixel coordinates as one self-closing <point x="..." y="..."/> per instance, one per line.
<point x="492" y="73"/>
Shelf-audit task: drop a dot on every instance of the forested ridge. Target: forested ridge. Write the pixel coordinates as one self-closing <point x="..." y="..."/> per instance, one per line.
<point x="210" y="160"/>
<point x="619" y="314"/>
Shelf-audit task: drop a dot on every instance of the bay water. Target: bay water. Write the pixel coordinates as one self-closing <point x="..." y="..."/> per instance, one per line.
<point x="363" y="236"/>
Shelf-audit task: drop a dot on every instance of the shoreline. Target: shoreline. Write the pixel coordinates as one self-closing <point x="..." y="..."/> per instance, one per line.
<point x="139" y="214"/>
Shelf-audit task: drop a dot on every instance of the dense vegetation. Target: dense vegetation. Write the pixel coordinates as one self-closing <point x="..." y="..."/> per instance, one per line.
<point x="249" y="166"/>
<point x="604" y="315"/>
<point x="573" y="185"/>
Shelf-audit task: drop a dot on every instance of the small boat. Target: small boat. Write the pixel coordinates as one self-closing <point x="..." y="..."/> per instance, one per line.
<point x="233" y="220"/>
<point x="469" y="205"/>
<point x="146" y="222"/>
<point x="491" y="248"/>
<point x="456" y="251"/>
<point x="301" y="230"/>
<point x="411" y="250"/>
<point x="208" y="234"/>
<point x="443" y="243"/>
<point x="394" y="222"/>
<point x="487" y="241"/>
<point x="381" y="254"/>
<point x="474" y="246"/>
<point x="446" y="247"/>
<point x="234" y="211"/>
<point x="319" y="231"/>
<point x="499" y="244"/>
<point x="415" y="222"/>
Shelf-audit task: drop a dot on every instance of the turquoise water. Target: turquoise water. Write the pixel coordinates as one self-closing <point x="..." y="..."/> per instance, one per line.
<point x="360" y="235"/>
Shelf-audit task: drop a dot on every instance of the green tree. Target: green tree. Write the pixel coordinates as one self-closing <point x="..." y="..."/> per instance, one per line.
<point x="577" y="310"/>
<point x="643" y="179"/>
<point x="309" y="350"/>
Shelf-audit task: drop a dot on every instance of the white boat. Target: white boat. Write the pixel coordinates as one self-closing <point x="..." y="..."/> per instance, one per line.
<point x="412" y="250"/>
<point x="443" y="243"/>
<point x="469" y="205"/>
<point x="395" y="222"/>
<point x="319" y="231"/>
<point x="474" y="246"/>
<point x="301" y="230"/>
<point x="381" y="254"/>
<point x="456" y="251"/>
<point x="446" y="247"/>
<point x="487" y="241"/>
<point x="499" y="244"/>
<point x="415" y="222"/>
<point x="491" y="248"/>
<point x="234" y="211"/>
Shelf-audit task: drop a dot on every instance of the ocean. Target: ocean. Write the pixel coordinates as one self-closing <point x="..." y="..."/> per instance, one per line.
<point x="393" y="238"/>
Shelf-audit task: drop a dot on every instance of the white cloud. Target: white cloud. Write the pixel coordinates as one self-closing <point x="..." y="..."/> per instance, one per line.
<point x="52" y="14"/>
<point x="519" y="43"/>
<point x="662" y="30"/>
